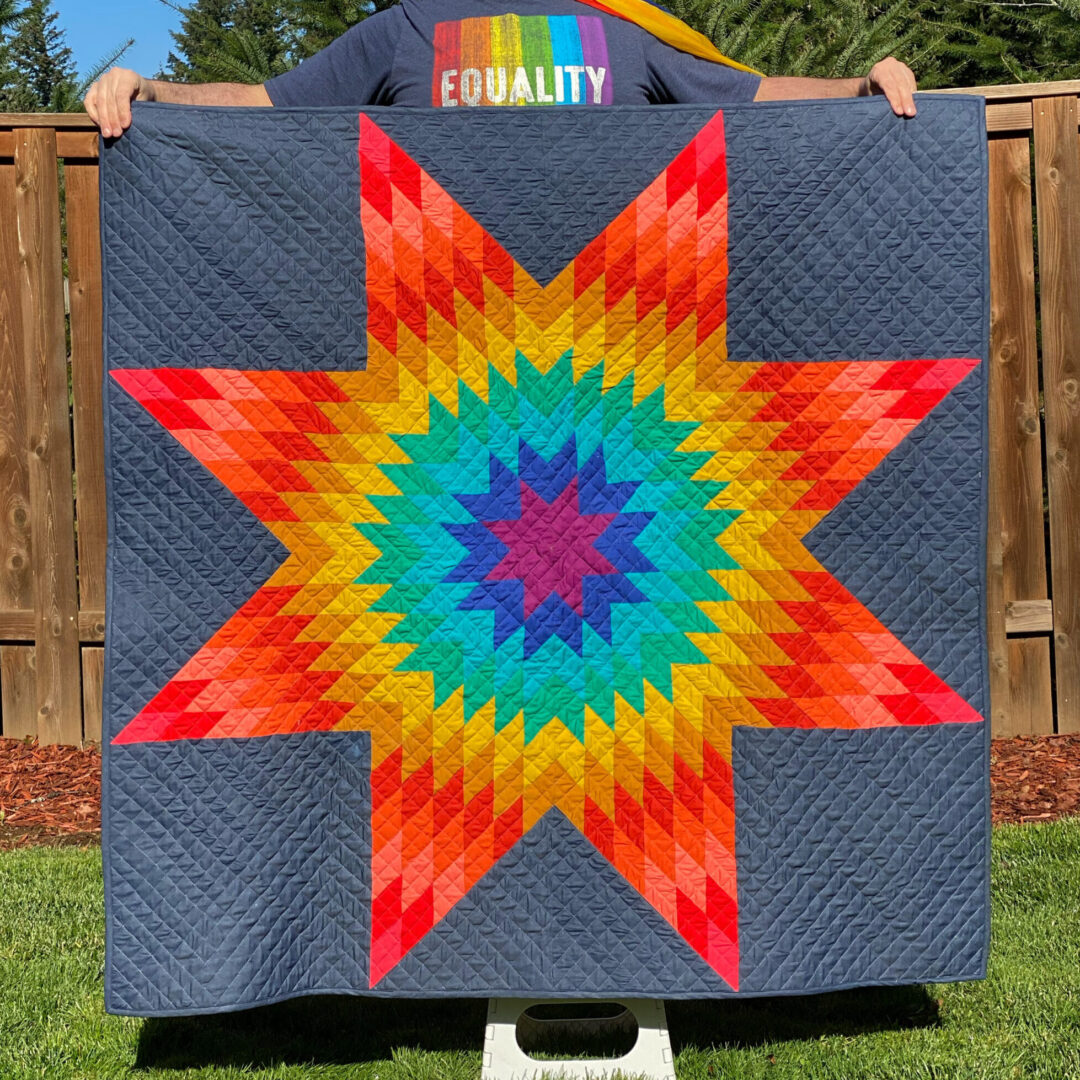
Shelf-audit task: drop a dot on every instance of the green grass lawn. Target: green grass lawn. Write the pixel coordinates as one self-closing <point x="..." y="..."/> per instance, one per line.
<point x="1023" y="1021"/>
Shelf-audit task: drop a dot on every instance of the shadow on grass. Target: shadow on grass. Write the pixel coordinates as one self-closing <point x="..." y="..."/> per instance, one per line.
<point x="345" y="1030"/>
<point x="759" y="1021"/>
<point x="327" y="1030"/>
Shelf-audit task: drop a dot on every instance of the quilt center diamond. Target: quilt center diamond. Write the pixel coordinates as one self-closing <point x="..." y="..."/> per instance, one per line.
<point x="550" y="548"/>
<point x="551" y="545"/>
<point x="558" y="552"/>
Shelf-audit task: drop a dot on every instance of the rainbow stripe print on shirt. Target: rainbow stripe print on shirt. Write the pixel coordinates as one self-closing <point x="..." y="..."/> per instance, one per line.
<point x="522" y="60"/>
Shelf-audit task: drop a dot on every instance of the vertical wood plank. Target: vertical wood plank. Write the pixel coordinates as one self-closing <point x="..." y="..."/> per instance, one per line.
<point x="18" y="692"/>
<point x="1022" y="684"/>
<point x="17" y="709"/>
<point x="997" y="645"/>
<point x="84" y="288"/>
<point x="1057" y="187"/>
<point x="93" y="670"/>
<point x="16" y="581"/>
<point x="52" y="520"/>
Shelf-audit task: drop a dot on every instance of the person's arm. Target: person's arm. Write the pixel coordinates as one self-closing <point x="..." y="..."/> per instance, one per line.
<point x="889" y="77"/>
<point x="108" y="101"/>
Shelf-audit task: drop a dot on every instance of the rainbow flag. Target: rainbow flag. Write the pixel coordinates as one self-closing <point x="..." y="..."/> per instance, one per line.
<point x="522" y="60"/>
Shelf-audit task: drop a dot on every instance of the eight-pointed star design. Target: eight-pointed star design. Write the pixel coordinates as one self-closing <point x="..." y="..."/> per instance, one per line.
<point x="716" y="615"/>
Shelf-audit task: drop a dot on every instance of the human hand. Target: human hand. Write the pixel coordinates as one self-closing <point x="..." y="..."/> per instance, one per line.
<point x="109" y="100"/>
<point x="896" y="81"/>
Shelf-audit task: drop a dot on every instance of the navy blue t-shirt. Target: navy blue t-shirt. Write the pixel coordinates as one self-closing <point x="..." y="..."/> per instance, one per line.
<point x="472" y="52"/>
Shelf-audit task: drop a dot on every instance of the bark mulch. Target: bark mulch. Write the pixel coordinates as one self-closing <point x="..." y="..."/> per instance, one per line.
<point x="48" y="794"/>
<point x="52" y="794"/>
<point x="1034" y="777"/>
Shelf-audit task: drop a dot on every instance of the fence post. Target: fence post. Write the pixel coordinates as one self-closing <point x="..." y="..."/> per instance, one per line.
<point x="1022" y="700"/>
<point x="57" y="662"/>
<point x="16" y="584"/>
<point x="1057" y="185"/>
<point x="84" y="286"/>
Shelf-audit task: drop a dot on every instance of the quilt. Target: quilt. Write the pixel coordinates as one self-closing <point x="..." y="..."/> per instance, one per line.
<point x="546" y="552"/>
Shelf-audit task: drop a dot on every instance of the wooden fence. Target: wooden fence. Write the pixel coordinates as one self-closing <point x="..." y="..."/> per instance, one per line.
<point x="52" y="497"/>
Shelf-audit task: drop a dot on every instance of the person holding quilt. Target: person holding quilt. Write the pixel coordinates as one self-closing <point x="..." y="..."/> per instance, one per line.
<point x="466" y="53"/>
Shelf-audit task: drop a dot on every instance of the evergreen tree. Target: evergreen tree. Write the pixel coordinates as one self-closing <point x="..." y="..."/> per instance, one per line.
<point x="10" y="13"/>
<point x="833" y="40"/>
<point x="1017" y="40"/>
<point x="251" y="40"/>
<point x="69" y="94"/>
<point x="229" y="41"/>
<point x="317" y="22"/>
<point x="42" y="66"/>
<point x="949" y="43"/>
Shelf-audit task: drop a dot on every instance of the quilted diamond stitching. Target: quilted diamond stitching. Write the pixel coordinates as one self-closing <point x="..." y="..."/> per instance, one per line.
<point x="825" y="264"/>
<point x="146" y="350"/>
<point x="237" y="873"/>
<point x="860" y="853"/>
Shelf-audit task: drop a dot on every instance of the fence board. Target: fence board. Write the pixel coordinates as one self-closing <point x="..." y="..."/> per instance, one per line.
<point x="1015" y="432"/>
<point x="18" y="691"/>
<point x="84" y="290"/>
<point x="69" y="144"/>
<point x="1029" y="616"/>
<point x="93" y="671"/>
<point x="1057" y="182"/>
<point x="1009" y="116"/>
<point x="58" y="675"/>
<point x="16" y="585"/>
<point x="21" y="625"/>
<point x="1016" y="90"/>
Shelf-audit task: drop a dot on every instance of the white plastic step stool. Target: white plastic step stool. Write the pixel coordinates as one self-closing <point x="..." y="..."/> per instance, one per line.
<point x="505" y="1060"/>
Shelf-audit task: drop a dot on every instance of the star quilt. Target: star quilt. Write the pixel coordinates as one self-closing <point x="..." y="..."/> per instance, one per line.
<point x="546" y="552"/>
